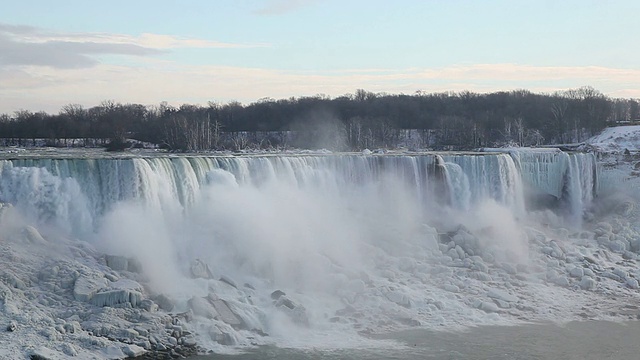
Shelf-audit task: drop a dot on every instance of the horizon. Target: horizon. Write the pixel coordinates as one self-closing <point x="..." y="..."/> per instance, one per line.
<point x="147" y="52"/>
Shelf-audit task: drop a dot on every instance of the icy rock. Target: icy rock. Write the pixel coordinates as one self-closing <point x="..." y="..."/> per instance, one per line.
<point x="451" y="288"/>
<point x="119" y="292"/>
<point x="86" y="286"/>
<point x="133" y="350"/>
<point x="44" y="353"/>
<point x="632" y="283"/>
<point x="509" y="268"/>
<point x="561" y="281"/>
<point x="399" y="298"/>
<point x="588" y="272"/>
<point x="32" y="235"/>
<point x="620" y="273"/>
<point x="501" y="295"/>
<point x="222" y="337"/>
<point x="277" y="294"/>
<point x="502" y="304"/>
<point x="226" y="314"/>
<point x="117" y="263"/>
<point x="164" y="302"/>
<point x="202" y="307"/>
<point x="488" y="307"/>
<point x="587" y="283"/>
<point x="200" y="270"/>
<point x="148" y="305"/>
<point x="482" y="276"/>
<point x="610" y="275"/>
<point x="577" y="272"/>
<point x="227" y="280"/>
<point x="603" y="228"/>
<point x="114" y="297"/>
<point x="72" y="327"/>
<point x="13" y="326"/>
<point x="69" y="349"/>
<point x="297" y="312"/>
<point x="617" y="246"/>
<point x="479" y="265"/>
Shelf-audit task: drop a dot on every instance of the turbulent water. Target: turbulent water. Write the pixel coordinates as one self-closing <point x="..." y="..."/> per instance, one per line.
<point x="359" y="243"/>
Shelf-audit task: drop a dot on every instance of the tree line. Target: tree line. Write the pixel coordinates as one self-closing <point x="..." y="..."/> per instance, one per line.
<point x="454" y="120"/>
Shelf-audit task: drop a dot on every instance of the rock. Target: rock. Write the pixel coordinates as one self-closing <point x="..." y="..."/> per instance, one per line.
<point x="501" y="295"/>
<point x="486" y="306"/>
<point x="620" y="273"/>
<point x="479" y="265"/>
<point x="632" y="283"/>
<point x="277" y="294"/>
<point x="399" y="298"/>
<point x="86" y="286"/>
<point x="133" y="350"/>
<point x="148" y="305"/>
<point x="509" y="268"/>
<point x="72" y="327"/>
<point x="226" y="315"/>
<point x="227" y="280"/>
<point x="32" y="235"/>
<point x="173" y="341"/>
<point x="610" y="275"/>
<point x="117" y="263"/>
<point x="202" y="307"/>
<point x="561" y="281"/>
<point x="482" y="276"/>
<point x="222" y="337"/>
<point x="617" y="246"/>
<point x="577" y="272"/>
<point x="164" y="302"/>
<point x="451" y="288"/>
<point x="502" y="304"/>
<point x="13" y="326"/>
<point x="119" y="292"/>
<point x="200" y="270"/>
<point x="69" y="349"/>
<point x="43" y="353"/>
<point x="587" y="283"/>
<point x="297" y="312"/>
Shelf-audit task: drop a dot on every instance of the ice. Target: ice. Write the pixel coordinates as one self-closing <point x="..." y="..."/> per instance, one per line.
<point x="350" y="243"/>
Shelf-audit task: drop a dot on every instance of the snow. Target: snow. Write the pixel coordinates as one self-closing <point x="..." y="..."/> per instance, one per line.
<point x="303" y="251"/>
<point x="617" y="139"/>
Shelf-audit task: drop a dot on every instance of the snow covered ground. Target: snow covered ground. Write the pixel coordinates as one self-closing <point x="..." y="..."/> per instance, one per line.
<point x="617" y="139"/>
<point x="62" y="297"/>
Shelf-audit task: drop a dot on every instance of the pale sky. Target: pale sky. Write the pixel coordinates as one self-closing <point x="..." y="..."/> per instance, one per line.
<point x="54" y="53"/>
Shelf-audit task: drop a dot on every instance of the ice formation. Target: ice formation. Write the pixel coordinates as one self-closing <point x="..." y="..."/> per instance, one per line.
<point x="160" y="253"/>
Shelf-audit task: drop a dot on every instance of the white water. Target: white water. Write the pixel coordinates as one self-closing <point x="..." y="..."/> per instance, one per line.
<point x="329" y="230"/>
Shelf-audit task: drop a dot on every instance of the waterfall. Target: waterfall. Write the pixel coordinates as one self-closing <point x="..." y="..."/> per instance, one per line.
<point x="75" y="193"/>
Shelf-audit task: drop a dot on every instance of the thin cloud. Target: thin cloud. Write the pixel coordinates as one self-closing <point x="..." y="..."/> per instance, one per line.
<point x="22" y="45"/>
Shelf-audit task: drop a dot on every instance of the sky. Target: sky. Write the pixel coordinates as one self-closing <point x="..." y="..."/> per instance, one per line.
<point x="54" y="53"/>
